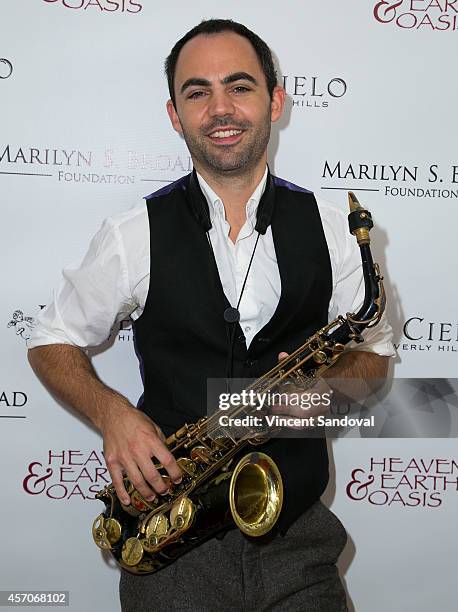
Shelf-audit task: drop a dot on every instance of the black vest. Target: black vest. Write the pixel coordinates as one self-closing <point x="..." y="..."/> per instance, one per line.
<point x="182" y="338"/>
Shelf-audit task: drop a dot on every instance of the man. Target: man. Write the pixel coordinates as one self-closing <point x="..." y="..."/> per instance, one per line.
<point x="223" y="271"/>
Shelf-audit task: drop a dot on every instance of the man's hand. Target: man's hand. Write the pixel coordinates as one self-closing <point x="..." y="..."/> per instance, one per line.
<point x="131" y="440"/>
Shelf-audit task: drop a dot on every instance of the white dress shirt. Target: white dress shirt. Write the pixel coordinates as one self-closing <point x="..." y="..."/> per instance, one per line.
<point x="112" y="281"/>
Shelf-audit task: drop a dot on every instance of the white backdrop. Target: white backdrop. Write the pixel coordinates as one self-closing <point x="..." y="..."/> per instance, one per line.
<point x="84" y="134"/>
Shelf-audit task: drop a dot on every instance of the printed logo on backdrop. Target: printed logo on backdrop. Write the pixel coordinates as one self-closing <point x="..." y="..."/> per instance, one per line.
<point x="437" y="15"/>
<point x="125" y="331"/>
<point x="67" y="474"/>
<point x="12" y="404"/>
<point x="423" y="336"/>
<point x="122" y="331"/>
<point x="22" y="324"/>
<point x="393" y="180"/>
<point x="6" y="68"/>
<point x="101" y="6"/>
<point x="413" y="482"/>
<point x="72" y="165"/>
<point x="314" y="91"/>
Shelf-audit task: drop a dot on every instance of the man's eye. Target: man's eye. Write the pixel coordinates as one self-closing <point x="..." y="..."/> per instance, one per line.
<point x="196" y="94"/>
<point x="241" y="89"/>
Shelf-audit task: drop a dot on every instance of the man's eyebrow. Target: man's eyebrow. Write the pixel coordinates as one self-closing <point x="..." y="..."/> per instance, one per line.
<point x="194" y="81"/>
<point x="231" y="78"/>
<point x="239" y="76"/>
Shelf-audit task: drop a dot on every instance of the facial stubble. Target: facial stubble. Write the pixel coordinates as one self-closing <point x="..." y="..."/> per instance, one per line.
<point x="236" y="159"/>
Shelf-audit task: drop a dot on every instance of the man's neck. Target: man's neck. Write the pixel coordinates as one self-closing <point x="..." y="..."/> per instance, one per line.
<point x="234" y="190"/>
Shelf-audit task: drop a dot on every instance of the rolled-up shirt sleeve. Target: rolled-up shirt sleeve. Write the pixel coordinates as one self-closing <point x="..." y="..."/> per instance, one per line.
<point x="348" y="283"/>
<point x="92" y="296"/>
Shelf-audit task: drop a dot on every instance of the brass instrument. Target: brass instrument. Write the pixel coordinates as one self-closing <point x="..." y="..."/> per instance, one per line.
<point x="218" y="487"/>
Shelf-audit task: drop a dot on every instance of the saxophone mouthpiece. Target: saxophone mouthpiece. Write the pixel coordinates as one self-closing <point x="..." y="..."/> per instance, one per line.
<point x="353" y="202"/>
<point x="359" y="220"/>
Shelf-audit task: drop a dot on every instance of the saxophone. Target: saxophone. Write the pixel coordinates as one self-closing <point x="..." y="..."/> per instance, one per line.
<point x="219" y="488"/>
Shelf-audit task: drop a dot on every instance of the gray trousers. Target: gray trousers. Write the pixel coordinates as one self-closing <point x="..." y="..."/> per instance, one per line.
<point x="293" y="573"/>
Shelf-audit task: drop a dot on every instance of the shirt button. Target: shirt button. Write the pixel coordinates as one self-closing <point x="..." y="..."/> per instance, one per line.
<point x="247" y="328"/>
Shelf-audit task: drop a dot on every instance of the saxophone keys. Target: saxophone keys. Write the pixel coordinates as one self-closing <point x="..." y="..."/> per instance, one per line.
<point x="157" y="526"/>
<point x="139" y="502"/>
<point x="201" y="454"/>
<point x="104" y="532"/>
<point x="132" y="552"/>
<point x="320" y="357"/>
<point x="150" y="544"/>
<point x="156" y="529"/>
<point x="113" y="530"/>
<point x="222" y="444"/>
<point x="182" y="514"/>
<point x="187" y="466"/>
<point x="168" y="483"/>
<point x="106" y="494"/>
<point x="182" y="432"/>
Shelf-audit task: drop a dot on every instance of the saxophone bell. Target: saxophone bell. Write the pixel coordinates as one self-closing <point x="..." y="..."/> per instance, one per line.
<point x="256" y="494"/>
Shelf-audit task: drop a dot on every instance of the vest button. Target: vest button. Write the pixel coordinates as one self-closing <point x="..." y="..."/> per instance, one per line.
<point x="251" y="362"/>
<point x="263" y="339"/>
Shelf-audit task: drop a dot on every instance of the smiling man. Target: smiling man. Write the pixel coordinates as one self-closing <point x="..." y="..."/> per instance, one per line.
<point x="224" y="109"/>
<point x="226" y="119"/>
<point x="222" y="271"/>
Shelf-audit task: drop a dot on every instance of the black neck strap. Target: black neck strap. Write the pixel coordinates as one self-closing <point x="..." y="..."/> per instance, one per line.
<point x="199" y="205"/>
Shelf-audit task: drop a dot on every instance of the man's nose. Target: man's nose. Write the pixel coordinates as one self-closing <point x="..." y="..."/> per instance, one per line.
<point x="221" y="103"/>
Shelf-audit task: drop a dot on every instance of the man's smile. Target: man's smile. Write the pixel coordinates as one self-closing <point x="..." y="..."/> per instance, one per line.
<point x="225" y="136"/>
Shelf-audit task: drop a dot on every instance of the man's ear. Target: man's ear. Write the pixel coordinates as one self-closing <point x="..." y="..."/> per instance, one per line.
<point x="174" y="117"/>
<point x="278" y="103"/>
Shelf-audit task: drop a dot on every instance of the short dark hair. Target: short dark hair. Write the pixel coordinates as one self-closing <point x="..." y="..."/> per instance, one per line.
<point x="216" y="26"/>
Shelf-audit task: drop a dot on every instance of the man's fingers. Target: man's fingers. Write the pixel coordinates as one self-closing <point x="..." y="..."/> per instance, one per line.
<point x="118" y="483"/>
<point x="282" y="356"/>
<point x="153" y="477"/>
<point x="168" y="461"/>
<point x="159" y="432"/>
<point x="132" y="446"/>
<point x="137" y="479"/>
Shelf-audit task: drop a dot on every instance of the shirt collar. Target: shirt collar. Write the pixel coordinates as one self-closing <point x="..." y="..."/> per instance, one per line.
<point x="216" y="206"/>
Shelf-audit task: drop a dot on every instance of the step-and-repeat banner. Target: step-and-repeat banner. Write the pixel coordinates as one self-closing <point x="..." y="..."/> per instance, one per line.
<point x="84" y="134"/>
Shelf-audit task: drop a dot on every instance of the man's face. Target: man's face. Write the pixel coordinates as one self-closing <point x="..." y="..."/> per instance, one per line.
<point x="223" y="108"/>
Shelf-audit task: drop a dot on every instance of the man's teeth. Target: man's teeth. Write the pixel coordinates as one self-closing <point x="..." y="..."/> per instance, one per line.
<point x="226" y="133"/>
